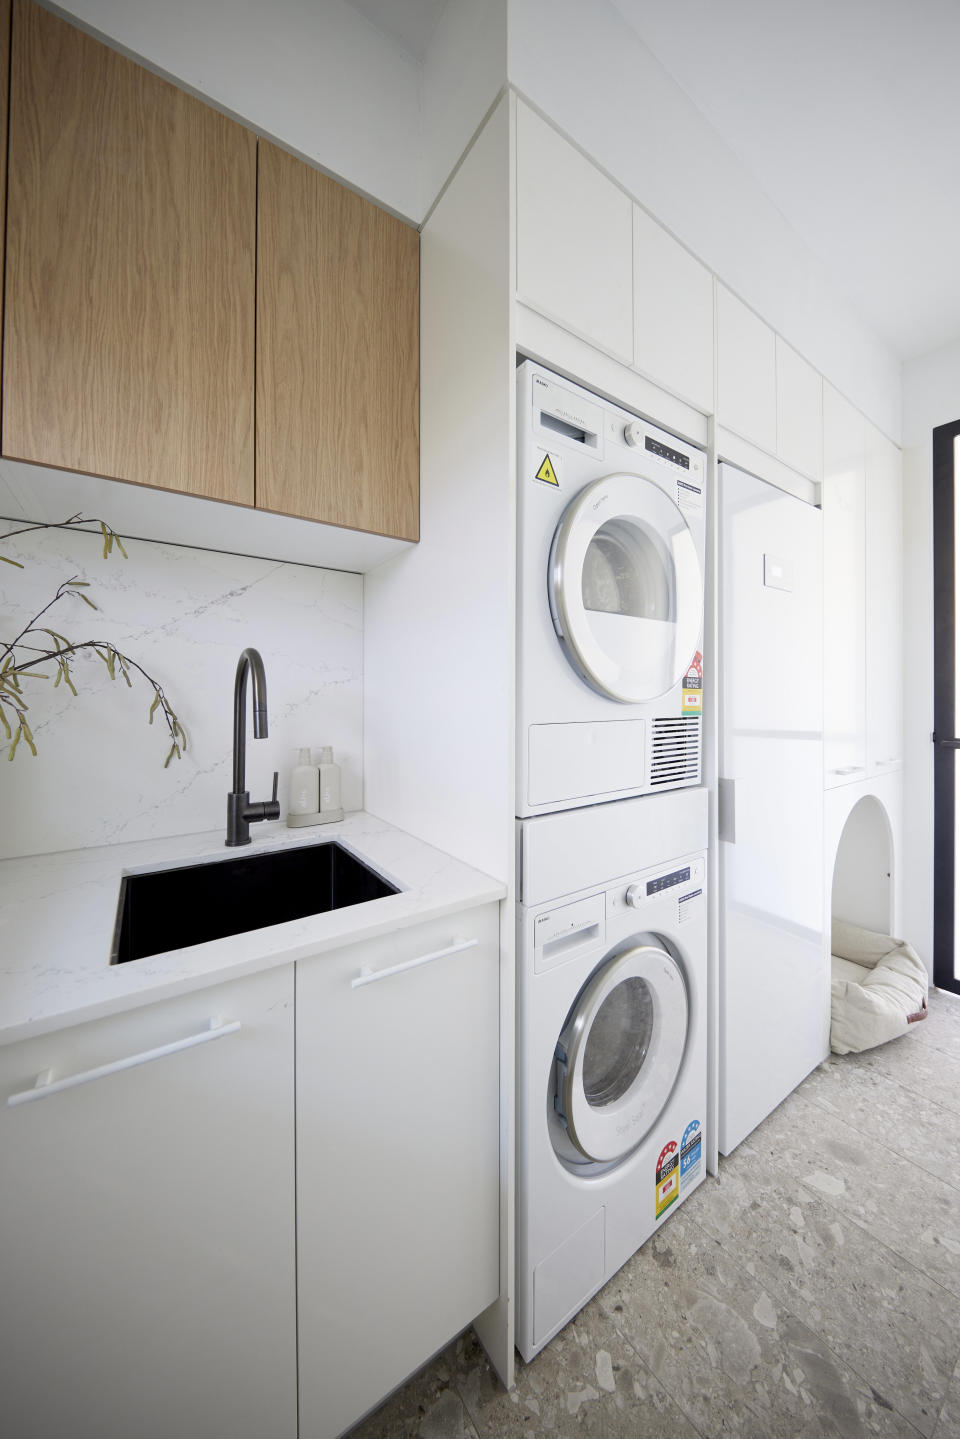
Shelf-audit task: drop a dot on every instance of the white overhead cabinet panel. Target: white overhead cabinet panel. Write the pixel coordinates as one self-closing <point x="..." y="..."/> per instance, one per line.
<point x="146" y="1201"/>
<point x="799" y="412"/>
<point x="673" y="314"/>
<point x="884" y="604"/>
<point x="397" y="1158"/>
<point x="574" y="239"/>
<point x="844" y="592"/>
<point x="746" y="373"/>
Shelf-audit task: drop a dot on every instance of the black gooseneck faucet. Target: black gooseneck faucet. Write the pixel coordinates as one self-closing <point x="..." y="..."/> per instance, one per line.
<point x="240" y="812"/>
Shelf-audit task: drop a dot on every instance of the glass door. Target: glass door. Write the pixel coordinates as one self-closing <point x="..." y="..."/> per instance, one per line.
<point x="946" y="736"/>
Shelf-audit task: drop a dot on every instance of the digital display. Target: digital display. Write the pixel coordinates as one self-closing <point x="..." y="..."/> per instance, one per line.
<point x="667" y="881"/>
<point x="665" y="453"/>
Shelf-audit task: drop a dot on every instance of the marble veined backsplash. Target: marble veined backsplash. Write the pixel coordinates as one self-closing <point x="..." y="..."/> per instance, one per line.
<point x="185" y="615"/>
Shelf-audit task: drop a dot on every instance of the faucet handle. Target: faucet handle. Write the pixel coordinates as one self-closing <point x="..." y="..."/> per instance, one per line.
<point x="276" y="778"/>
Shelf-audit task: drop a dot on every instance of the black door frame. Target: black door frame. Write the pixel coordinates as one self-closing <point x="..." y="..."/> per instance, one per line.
<point x="945" y="718"/>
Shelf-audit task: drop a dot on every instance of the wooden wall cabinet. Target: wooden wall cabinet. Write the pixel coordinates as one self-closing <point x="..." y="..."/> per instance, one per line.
<point x="129" y="328"/>
<point x="134" y="303"/>
<point x="337" y="353"/>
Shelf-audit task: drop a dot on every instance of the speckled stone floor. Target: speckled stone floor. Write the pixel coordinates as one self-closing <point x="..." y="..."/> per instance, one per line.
<point x="812" y="1289"/>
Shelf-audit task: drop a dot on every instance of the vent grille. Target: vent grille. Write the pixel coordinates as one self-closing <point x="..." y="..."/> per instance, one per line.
<point x="676" y="751"/>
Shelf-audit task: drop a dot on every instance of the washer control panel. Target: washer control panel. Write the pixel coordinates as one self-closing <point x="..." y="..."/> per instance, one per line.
<point x="679" y="879"/>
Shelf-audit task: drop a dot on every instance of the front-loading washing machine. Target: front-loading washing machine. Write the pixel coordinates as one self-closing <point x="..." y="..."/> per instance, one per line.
<point x="610" y="560"/>
<point x="612" y="1042"/>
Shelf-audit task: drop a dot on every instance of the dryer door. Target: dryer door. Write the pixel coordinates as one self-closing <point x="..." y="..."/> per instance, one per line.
<point x="626" y="588"/>
<point x="620" y="1052"/>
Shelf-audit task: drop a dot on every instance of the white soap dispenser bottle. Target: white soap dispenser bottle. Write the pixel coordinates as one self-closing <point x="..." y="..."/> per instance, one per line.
<point x="330" y="808"/>
<point x="303" y="798"/>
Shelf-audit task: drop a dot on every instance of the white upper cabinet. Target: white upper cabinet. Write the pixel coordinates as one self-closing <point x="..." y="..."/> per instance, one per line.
<point x="673" y="314"/>
<point x="844" y="590"/>
<point x="884" y="604"/>
<point x="799" y="412"/>
<point x="746" y="373"/>
<point x="574" y="239"/>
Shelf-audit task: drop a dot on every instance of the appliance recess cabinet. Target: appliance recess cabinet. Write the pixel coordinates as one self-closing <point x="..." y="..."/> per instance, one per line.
<point x="170" y="280"/>
<point x="147" y="1253"/>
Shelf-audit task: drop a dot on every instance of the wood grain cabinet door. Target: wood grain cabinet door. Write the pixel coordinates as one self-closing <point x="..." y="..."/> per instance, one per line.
<point x="130" y="286"/>
<point x="337" y="353"/>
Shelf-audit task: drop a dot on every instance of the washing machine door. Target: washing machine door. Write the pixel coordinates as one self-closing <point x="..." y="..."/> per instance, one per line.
<point x="626" y="588"/>
<point x="620" y="1052"/>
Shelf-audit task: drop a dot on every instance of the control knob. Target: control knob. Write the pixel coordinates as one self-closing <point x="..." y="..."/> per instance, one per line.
<point x="634" y="433"/>
<point x="635" y="896"/>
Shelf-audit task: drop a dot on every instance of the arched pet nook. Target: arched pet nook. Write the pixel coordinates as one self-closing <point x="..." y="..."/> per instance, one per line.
<point x="863" y="872"/>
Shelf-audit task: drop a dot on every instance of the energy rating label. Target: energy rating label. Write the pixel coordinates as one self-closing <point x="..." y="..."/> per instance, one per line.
<point x="692" y="698"/>
<point x="691" y="1154"/>
<point x="668" y="1177"/>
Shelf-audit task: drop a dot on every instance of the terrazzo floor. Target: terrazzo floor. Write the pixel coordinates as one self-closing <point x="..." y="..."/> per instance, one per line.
<point x="812" y="1289"/>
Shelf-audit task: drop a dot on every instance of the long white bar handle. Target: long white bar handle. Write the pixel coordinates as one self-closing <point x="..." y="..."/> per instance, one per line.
<point x="370" y="976"/>
<point x="45" y="1085"/>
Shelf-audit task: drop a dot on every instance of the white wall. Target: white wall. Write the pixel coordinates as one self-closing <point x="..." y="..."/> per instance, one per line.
<point x="931" y="397"/>
<point x="313" y="74"/>
<point x="438" y="664"/>
<point x="185" y="615"/>
<point x="585" y="68"/>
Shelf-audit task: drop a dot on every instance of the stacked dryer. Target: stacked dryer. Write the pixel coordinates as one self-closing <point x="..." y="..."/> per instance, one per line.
<point x="612" y="959"/>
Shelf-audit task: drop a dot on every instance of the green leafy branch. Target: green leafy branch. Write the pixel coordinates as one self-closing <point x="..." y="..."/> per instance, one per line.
<point x="23" y="658"/>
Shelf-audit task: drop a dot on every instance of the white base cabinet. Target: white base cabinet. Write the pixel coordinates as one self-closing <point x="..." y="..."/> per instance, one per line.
<point x="147" y="1224"/>
<point x="397" y="1158"/>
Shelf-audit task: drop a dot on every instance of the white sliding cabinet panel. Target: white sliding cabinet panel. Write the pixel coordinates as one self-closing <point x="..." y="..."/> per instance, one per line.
<point x="799" y="412"/>
<point x="884" y="604"/>
<point x="397" y="1158"/>
<point x="774" y="982"/>
<point x="844" y="615"/>
<point x="147" y="1224"/>
<point x="574" y="239"/>
<point x="673" y="314"/>
<point x="746" y="373"/>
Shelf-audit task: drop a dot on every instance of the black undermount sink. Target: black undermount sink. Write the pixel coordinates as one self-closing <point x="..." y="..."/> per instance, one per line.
<point x="174" y="908"/>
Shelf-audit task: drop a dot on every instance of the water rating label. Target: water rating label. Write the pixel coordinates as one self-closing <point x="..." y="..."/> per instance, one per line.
<point x="691" y="1154"/>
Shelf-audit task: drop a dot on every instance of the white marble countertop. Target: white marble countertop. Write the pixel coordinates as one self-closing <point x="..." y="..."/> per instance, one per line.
<point x="58" y="913"/>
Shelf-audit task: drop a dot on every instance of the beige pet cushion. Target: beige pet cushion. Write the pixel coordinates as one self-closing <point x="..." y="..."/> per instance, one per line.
<point x="878" y="983"/>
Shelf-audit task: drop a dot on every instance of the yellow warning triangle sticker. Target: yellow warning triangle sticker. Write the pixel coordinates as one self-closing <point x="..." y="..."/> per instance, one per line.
<point x="547" y="472"/>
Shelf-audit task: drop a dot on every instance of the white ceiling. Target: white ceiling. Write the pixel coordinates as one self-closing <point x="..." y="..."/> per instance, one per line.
<point x="846" y="112"/>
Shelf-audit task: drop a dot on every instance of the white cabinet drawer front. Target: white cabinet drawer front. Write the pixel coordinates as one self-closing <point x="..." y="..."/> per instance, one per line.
<point x="884" y="588"/>
<point x="844" y="612"/>
<point x="673" y="314"/>
<point x="746" y="373"/>
<point x="574" y="239"/>
<point x="146" y="1223"/>
<point x="397" y="1162"/>
<point x="799" y="412"/>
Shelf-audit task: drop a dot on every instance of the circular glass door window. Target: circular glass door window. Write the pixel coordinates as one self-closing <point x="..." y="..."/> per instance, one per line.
<point x="620" y="1052"/>
<point x="626" y="588"/>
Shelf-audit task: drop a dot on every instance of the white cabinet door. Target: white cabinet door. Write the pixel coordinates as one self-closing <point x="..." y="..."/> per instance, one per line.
<point x="673" y="314"/>
<point x="844" y="614"/>
<point x="799" y="412"/>
<point x="397" y="1158"/>
<point x="147" y="1224"/>
<point x="746" y="373"/>
<point x="574" y="239"/>
<point x="884" y="604"/>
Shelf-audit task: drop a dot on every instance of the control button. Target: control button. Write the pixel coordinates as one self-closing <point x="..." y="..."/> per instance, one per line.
<point x="633" y="433"/>
<point x="635" y="896"/>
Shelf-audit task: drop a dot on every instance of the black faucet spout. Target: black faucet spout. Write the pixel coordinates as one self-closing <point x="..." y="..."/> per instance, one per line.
<point x="240" y="812"/>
